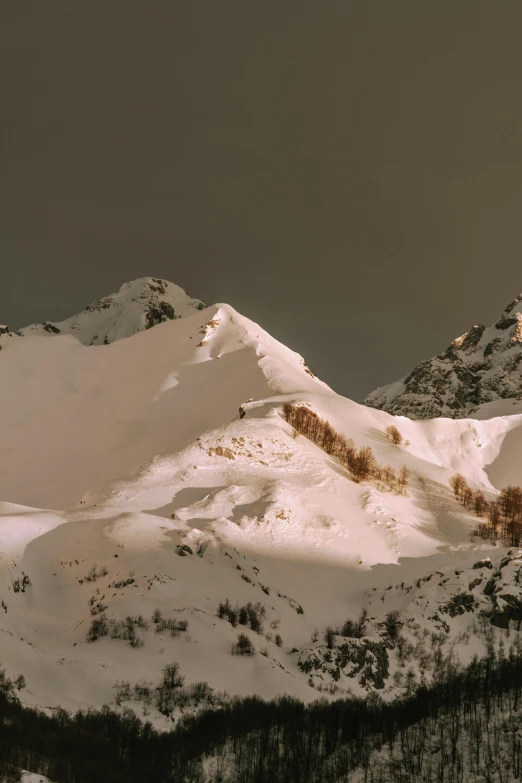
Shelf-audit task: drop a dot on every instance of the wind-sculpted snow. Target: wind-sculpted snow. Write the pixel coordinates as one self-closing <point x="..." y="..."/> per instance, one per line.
<point x="478" y="376"/>
<point x="174" y="483"/>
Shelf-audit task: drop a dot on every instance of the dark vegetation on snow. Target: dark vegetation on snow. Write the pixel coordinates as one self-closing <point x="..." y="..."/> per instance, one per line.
<point x="168" y="696"/>
<point x="465" y="724"/>
<point x="126" y="629"/>
<point x="251" y="615"/>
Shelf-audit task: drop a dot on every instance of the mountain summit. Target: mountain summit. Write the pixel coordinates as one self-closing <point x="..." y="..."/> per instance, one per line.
<point x="138" y="305"/>
<point x="477" y="376"/>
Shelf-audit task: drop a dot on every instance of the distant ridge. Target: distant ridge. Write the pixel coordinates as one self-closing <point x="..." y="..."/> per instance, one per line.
<point x="137" y="306"/>
<point x="478" y="376"/>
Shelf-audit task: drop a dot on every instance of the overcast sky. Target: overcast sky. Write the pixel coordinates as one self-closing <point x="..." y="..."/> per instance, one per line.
<point x="348" y="174"/>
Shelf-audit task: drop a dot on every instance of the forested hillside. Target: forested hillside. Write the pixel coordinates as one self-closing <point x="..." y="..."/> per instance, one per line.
<point x="463" y="728"/>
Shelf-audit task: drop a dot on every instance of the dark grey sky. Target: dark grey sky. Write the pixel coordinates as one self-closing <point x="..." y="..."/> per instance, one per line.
<point x="348" y="174"/>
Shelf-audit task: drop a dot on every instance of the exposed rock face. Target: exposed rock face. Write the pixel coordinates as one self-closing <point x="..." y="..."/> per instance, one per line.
<point x="364" y="660"/>
<point x="138" y="305"/>
<point x="481" y="367"/>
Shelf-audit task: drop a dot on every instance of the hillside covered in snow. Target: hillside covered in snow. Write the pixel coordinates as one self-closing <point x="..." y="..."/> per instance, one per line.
<point x="477" y="376"/>
<point x="188" y="514"/>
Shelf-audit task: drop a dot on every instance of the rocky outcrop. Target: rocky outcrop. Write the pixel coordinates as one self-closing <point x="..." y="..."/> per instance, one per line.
<point x="482" y="366"/>
<point x="410" y="633"/>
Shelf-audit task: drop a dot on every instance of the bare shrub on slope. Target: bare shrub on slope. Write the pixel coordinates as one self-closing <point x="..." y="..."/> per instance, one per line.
<point x="243" y="646"/>
<point x="394" y="435"/>
<point x="250" y="614"/>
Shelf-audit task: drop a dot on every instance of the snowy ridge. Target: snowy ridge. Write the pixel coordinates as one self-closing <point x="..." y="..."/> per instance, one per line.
<point x="478" y="376"/>
<point x="138" y="305"/>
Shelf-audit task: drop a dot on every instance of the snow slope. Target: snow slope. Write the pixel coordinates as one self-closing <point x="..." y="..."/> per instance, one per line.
<point x="478" y="376"/>
<point x="131" y="482"/>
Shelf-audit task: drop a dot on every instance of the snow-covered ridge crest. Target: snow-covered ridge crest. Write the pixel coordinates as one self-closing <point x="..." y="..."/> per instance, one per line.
<point x="285" y="370"/>
<point x="138" y="305"/>
<point x="478" y="376"/>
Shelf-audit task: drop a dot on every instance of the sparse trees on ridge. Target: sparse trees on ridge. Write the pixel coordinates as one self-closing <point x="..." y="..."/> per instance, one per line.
<point x="361" y="463"/>
<point x="457" y="484"/>
<point x="251" y="614"/>
<point x="126" y="629"/>
<point x="503" y="516"/>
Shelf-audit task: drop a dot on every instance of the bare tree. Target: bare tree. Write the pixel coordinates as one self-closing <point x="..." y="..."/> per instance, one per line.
<point x="480" y="505"/>
<point x="458" y="484"/>
<point x="394" y="435"/>
<point x="403" y="479"/>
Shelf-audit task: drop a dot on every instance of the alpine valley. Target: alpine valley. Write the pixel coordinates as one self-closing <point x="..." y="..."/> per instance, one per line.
<point x="189" y="518"/>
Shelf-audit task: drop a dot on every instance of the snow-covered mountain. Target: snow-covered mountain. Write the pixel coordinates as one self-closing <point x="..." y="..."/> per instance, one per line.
<point x="146" y="481"/>
<point x="138" y="305"/>
<point x="478" y="376"/>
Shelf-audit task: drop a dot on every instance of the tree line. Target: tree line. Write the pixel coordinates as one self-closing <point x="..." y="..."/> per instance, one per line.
<point x="465" y="726"/>
<point x="360" y="462"/>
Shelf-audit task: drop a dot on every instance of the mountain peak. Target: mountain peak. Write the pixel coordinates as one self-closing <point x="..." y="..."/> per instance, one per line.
<point x="478" y="376"/>
<point x="138" y="305"/>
